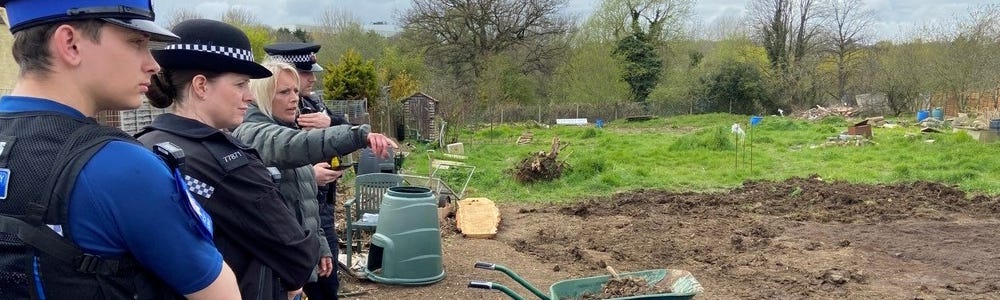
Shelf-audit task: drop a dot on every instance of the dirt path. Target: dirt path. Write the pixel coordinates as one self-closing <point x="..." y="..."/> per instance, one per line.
<point x="798" y="239"/>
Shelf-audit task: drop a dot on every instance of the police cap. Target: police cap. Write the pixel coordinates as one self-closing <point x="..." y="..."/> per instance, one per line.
<point x="210" y="45"/>
<point x="131" y="14"/>
<point x="302" y="55"/>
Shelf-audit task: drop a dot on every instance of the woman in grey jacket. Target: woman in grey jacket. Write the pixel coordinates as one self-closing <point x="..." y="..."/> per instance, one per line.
<point x="270" y="128"/>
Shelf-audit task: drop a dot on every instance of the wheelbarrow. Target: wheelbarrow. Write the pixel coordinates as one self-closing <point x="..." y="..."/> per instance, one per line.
<point x="682" y="285"/>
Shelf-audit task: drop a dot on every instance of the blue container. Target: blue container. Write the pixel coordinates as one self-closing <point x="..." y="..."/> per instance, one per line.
<point x="754" y="120"/>
<point x="599" y="123"/>
<point x="922" y="114"/>
<point x="995" y="124"/>
<point x="938" y="113"/>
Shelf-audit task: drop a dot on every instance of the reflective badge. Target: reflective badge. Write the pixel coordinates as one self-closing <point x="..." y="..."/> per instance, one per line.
<point x="4" y="182"/>
<point x="193" y="208"/>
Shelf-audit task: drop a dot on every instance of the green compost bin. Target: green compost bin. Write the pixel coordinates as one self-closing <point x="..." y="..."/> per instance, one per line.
<point x="406" y="246"/>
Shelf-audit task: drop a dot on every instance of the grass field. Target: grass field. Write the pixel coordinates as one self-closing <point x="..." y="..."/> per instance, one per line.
<point x="699" y="153"/>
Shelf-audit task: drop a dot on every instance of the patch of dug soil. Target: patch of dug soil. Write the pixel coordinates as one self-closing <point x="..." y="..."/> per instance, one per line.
<point x="796" y="239"/>
<point x="802" y="238"/>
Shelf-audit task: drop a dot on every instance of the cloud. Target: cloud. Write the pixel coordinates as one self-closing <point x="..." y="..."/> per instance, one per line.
<point x="893" y="17"/>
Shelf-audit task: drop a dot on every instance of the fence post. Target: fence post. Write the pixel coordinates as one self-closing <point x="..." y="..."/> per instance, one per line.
<point x="539" y="113"/>
<point x="578" y="110"/>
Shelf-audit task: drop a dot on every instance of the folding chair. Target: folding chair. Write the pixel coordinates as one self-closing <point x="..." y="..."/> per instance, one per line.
<point x="368" y="191"/>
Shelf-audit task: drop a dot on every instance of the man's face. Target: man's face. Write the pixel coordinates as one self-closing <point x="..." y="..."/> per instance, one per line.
<point x="306" y="82"/>
<point x="115" y="71"/>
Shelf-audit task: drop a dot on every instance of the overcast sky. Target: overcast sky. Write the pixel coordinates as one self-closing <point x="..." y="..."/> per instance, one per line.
<point x="895" y="18"/>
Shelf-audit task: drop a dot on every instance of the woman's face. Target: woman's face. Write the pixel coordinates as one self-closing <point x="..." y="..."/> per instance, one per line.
<point x="285" y="102"/>
<point x="228" y="98"/>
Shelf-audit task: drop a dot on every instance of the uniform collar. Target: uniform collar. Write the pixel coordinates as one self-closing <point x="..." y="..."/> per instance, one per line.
<point x="183" y="126"/>
<point x="16" y="104"/>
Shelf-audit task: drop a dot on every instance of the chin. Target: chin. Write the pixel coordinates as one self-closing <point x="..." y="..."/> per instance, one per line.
<point x="126" y="104"/>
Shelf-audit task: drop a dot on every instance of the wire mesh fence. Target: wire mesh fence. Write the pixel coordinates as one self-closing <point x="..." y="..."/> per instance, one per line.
<point x="549" y="113"/>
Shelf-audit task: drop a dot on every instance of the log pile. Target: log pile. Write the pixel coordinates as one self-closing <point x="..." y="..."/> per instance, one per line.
<point x="525" y="138"/>
<point x="820" y="112"/>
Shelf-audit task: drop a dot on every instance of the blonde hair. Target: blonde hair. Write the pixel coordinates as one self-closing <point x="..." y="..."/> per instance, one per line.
<point x="264" y="88"/>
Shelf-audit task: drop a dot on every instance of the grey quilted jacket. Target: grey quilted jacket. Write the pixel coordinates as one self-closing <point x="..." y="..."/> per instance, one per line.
<point x="293" y="152"/>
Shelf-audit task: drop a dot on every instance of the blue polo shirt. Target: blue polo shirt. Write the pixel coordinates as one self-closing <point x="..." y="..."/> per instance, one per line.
<point x="126" y="201"/>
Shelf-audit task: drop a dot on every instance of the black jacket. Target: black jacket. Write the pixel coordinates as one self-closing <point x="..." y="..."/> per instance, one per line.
<point x="254" y="230"/>
<point x="310" y="105"/>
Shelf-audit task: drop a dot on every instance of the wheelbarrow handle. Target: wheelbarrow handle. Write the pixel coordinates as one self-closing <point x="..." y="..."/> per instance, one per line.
<point x="485" y="265"/>
<point x="486" y="285"/>
<point x="505" y="270"/>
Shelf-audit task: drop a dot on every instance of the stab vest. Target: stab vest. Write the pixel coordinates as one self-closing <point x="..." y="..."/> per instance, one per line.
<point x="44" y="152"/>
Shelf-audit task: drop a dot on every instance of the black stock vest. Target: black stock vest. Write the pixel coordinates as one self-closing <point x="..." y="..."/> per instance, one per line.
<point x="44" y="152"/>
<point x="256" y="233"/>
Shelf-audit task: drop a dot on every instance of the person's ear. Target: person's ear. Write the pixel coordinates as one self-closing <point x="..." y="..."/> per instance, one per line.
<point x="199" y="85"/>
<point x="64" y="45"/>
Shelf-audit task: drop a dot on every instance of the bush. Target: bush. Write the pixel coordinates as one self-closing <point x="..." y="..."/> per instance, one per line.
<point x="713" y="139"/>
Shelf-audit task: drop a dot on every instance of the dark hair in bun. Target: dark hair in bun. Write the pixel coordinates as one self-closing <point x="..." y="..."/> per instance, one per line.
<point x="168" y="84"/>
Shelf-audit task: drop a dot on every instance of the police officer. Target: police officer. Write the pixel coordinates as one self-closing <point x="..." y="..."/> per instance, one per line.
<point x="86" y="212"/>
<point x="313" y="114"/>
<point x="205" y="80"/>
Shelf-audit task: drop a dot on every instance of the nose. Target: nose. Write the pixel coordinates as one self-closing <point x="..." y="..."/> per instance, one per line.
<point x="150" y="65"/>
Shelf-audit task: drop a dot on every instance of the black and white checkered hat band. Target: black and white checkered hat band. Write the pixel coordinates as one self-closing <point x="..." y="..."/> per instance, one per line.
<point x="305" y="58"/>
<point x="237" y="53"/>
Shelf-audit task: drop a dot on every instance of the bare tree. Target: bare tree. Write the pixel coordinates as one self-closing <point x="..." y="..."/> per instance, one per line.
<point x="181" y="15"/>
<point x="969" y="59"/>
<point x="661" y="19"/>
<point x="334" y="21"/>
<point x="464" y="34"/>
<point x="724" y="27"/>
<point x="789" y="32"/>
<point x="846" y="31"/>
<point x="239" y="15"/>
<point x="786" y="28"/>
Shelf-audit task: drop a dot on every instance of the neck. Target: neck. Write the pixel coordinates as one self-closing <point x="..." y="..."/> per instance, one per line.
<point x="190" y="112"/>
<point x="56" y="87"/>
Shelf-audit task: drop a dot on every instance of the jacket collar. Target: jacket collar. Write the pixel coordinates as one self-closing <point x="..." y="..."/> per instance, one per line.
<point x="182" y="126"/>
<point x="255" y="115"/>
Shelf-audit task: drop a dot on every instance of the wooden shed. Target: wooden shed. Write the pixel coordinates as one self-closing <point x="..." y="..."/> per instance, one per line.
<point x="420" y="117"/>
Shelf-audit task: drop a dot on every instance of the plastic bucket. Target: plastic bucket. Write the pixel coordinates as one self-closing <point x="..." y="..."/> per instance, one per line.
<point x="754" y="120"/>
<point x="922" y="114"/>
<point x="938" y="113"/>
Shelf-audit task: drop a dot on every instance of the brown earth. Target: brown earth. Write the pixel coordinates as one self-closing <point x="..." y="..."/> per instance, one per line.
<point x="803" y="238"/>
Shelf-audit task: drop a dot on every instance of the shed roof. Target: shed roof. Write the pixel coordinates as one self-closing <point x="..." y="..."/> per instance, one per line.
<point x="419" y="94"/>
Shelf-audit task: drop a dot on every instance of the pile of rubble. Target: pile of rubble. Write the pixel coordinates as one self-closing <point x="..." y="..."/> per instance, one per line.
<point x="820" y="112"/>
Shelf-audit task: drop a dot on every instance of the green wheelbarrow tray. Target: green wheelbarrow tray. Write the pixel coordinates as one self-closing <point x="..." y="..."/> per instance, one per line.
<point x="681" y="283"/>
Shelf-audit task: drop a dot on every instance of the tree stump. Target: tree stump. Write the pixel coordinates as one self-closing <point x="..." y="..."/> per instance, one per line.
<point x="540" y="166"/>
